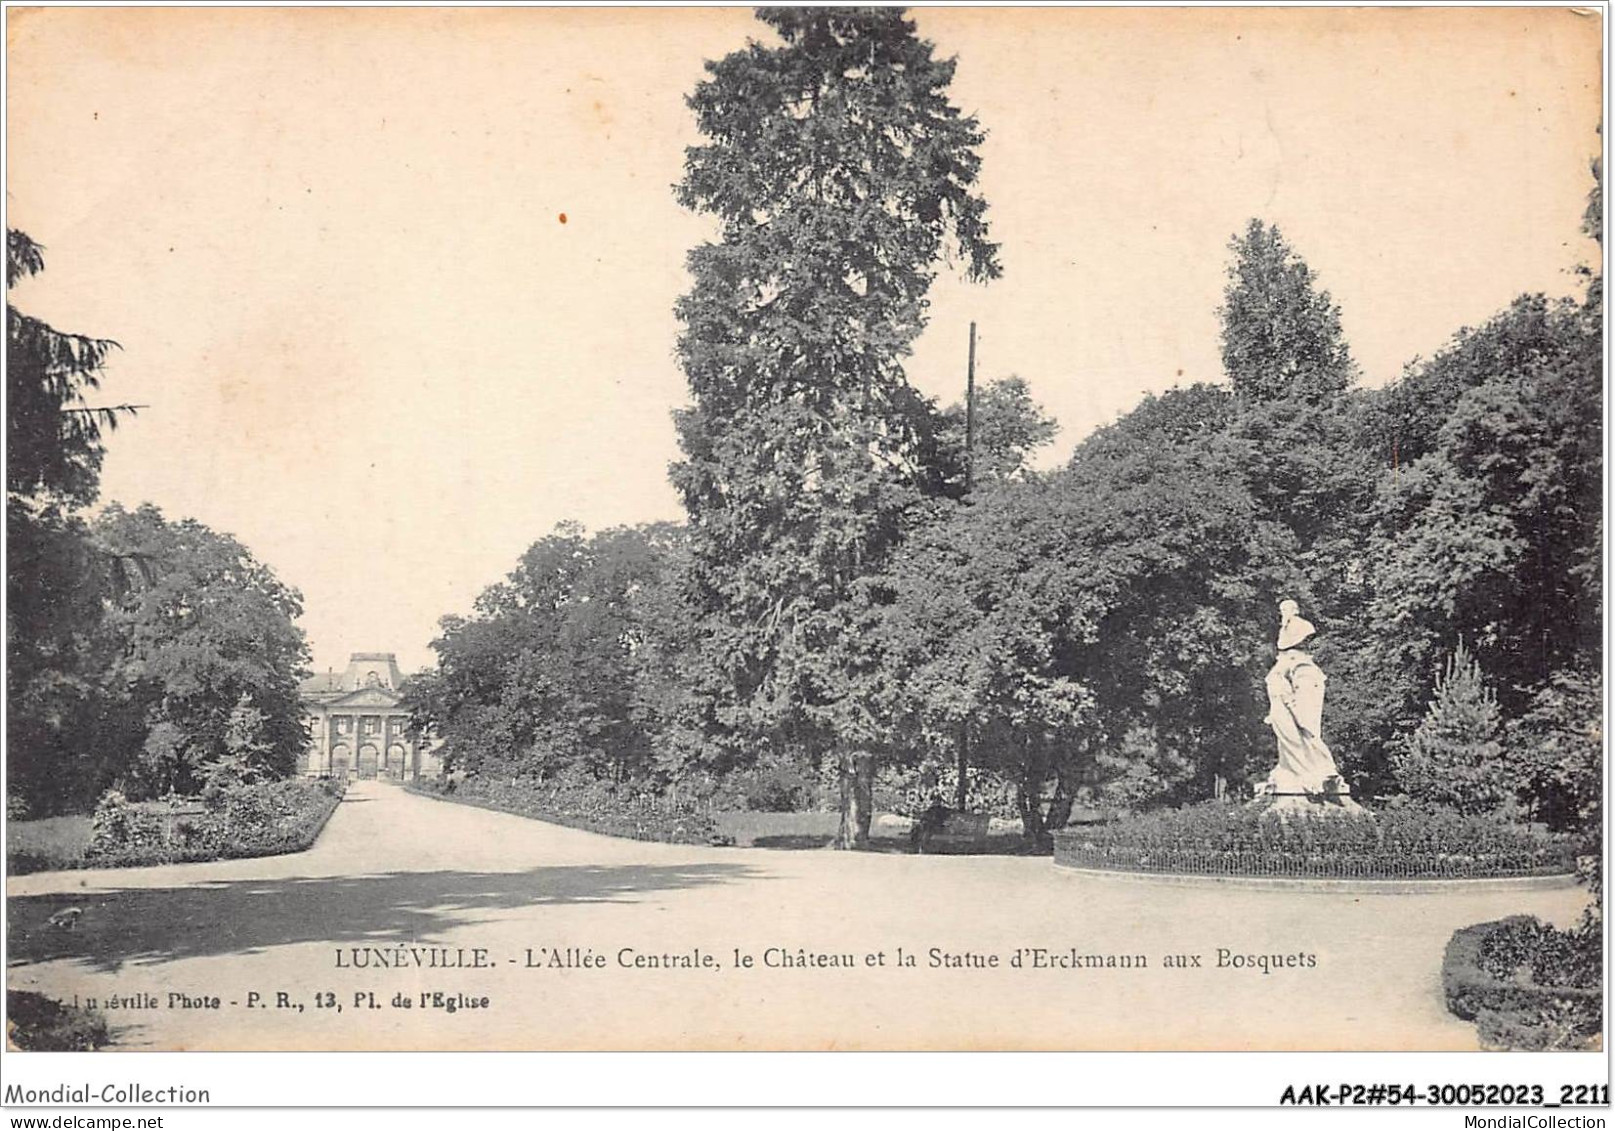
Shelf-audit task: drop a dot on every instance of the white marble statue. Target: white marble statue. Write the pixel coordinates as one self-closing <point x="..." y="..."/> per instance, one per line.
<point x="1295" y="712"/>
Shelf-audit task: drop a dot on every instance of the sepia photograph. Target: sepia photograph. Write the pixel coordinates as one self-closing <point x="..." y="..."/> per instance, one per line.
<point x="806" y="529"/>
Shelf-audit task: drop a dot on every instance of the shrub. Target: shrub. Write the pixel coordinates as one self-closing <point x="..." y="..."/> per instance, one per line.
<point x="1455" y="759"/>
<point x="775" y="785"/>
<point x="223" y="777"/>
<point x="1145" y="773"/>
<point x="119" y="825"/>
<point x="38" y="1024"/>
<point x="1220" y="838"/>
<point x="1525" y="984"/>
<point x="584" y="803"/>
<point x="1551" y="956"/>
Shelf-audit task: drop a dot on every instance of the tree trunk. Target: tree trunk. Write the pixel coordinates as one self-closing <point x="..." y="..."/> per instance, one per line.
<point x="857" y="800"/>
<point x="1058" y="808"/>
<point x="961" y="789"/>
<point x="1029" y="800"/>
<point x="1035" y="829"/>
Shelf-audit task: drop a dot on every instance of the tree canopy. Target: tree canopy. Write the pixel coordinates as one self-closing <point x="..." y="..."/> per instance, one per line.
<point x="1281" y="335"/>
<point x="563" y="667"/>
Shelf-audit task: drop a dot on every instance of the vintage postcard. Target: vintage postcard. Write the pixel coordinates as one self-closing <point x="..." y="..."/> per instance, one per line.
<point x="937" y="529"/>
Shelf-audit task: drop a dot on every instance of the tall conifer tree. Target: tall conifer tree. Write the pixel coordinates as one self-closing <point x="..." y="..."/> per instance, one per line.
<point x="839" y="174"/>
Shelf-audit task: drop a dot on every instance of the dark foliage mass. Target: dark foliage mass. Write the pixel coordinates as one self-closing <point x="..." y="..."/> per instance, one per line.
<point x="36" y="1023"/>
<point x="839" y="173"/>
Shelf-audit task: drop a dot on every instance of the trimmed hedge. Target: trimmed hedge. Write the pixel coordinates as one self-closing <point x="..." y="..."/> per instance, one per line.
<point x="1525" y="984"/>
<point x="1225" y="839"/>
<point x="268" y="819"/>
<point x="594" y="807"/>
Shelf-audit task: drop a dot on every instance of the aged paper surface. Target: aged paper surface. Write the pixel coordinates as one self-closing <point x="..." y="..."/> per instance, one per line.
<point x="397" y="286"/>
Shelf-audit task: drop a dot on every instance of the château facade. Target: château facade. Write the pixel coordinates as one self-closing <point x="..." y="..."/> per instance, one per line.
<point x="358" y="727"/>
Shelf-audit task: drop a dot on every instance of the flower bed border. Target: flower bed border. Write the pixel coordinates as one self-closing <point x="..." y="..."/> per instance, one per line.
<point x="549" y="816"/>
<point x="1215" y="864"/>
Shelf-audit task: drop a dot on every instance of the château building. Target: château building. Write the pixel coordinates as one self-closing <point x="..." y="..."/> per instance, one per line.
<point x="358" y="727"/>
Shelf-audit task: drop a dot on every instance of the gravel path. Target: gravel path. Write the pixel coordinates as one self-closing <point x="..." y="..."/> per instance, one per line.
<point x="410" y="880"/>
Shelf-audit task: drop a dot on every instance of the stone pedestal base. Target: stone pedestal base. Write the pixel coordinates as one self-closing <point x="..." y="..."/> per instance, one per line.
<point x="1332" y="796"/>
<point x="1323" y="804"/>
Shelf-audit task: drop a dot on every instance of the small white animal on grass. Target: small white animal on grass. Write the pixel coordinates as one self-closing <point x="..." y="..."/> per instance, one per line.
<point x="66" y="919"/>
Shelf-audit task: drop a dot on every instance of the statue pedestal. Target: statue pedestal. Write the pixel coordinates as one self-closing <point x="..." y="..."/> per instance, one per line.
<point x="1321" y="804"/>
<point x="1333" y="796"/>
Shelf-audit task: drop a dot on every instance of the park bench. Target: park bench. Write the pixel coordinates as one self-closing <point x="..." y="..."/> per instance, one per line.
<point x="938" y="830"/>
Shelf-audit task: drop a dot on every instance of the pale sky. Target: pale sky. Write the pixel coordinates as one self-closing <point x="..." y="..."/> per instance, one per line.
<point x="330" y="241"/>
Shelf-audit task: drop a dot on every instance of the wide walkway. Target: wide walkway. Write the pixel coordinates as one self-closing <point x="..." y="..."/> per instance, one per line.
<point x="410" y="880"/>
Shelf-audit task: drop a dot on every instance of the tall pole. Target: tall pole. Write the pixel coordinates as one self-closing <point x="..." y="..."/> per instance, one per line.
<point x="970" y="479"/>
<point x="970" y="414"/>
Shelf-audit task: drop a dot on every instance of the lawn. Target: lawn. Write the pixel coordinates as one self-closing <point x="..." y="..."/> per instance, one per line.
<point x="46" y="845"/>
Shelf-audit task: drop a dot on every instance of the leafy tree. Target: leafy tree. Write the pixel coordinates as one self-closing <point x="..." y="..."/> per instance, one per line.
<point x="215" y="627"/>
<point x="1281" y="335"/>
<point x="1311" y="448"/>
<point x="1178" y="661"/>
<point x="246" y="757"/>
<point x="163" y="759"/>
<point x="1009" y="427"/>
<point x="837" y="171"/>
<point x="1454" y="758"/>
<point x="1314" y="449"/>
<point x="246" y="742"/>
<point x="1592" y="226"/>
<point x="1181" y="414"/>
<point x="1495" y="533"/>
<point x="1555" y="753"/>
<point x="1527" y="336"/>
<point x="1094" y="624"/>
<point x="971" y="641"/>
<point x="58" y="709"/>
<point x="561" y="667"/>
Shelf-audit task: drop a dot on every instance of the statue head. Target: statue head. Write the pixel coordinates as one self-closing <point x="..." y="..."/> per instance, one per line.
<point x="1293" y="628"/>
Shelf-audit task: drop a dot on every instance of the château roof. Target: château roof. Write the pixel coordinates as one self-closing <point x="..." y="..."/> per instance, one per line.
<point x="365" y="669"/>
